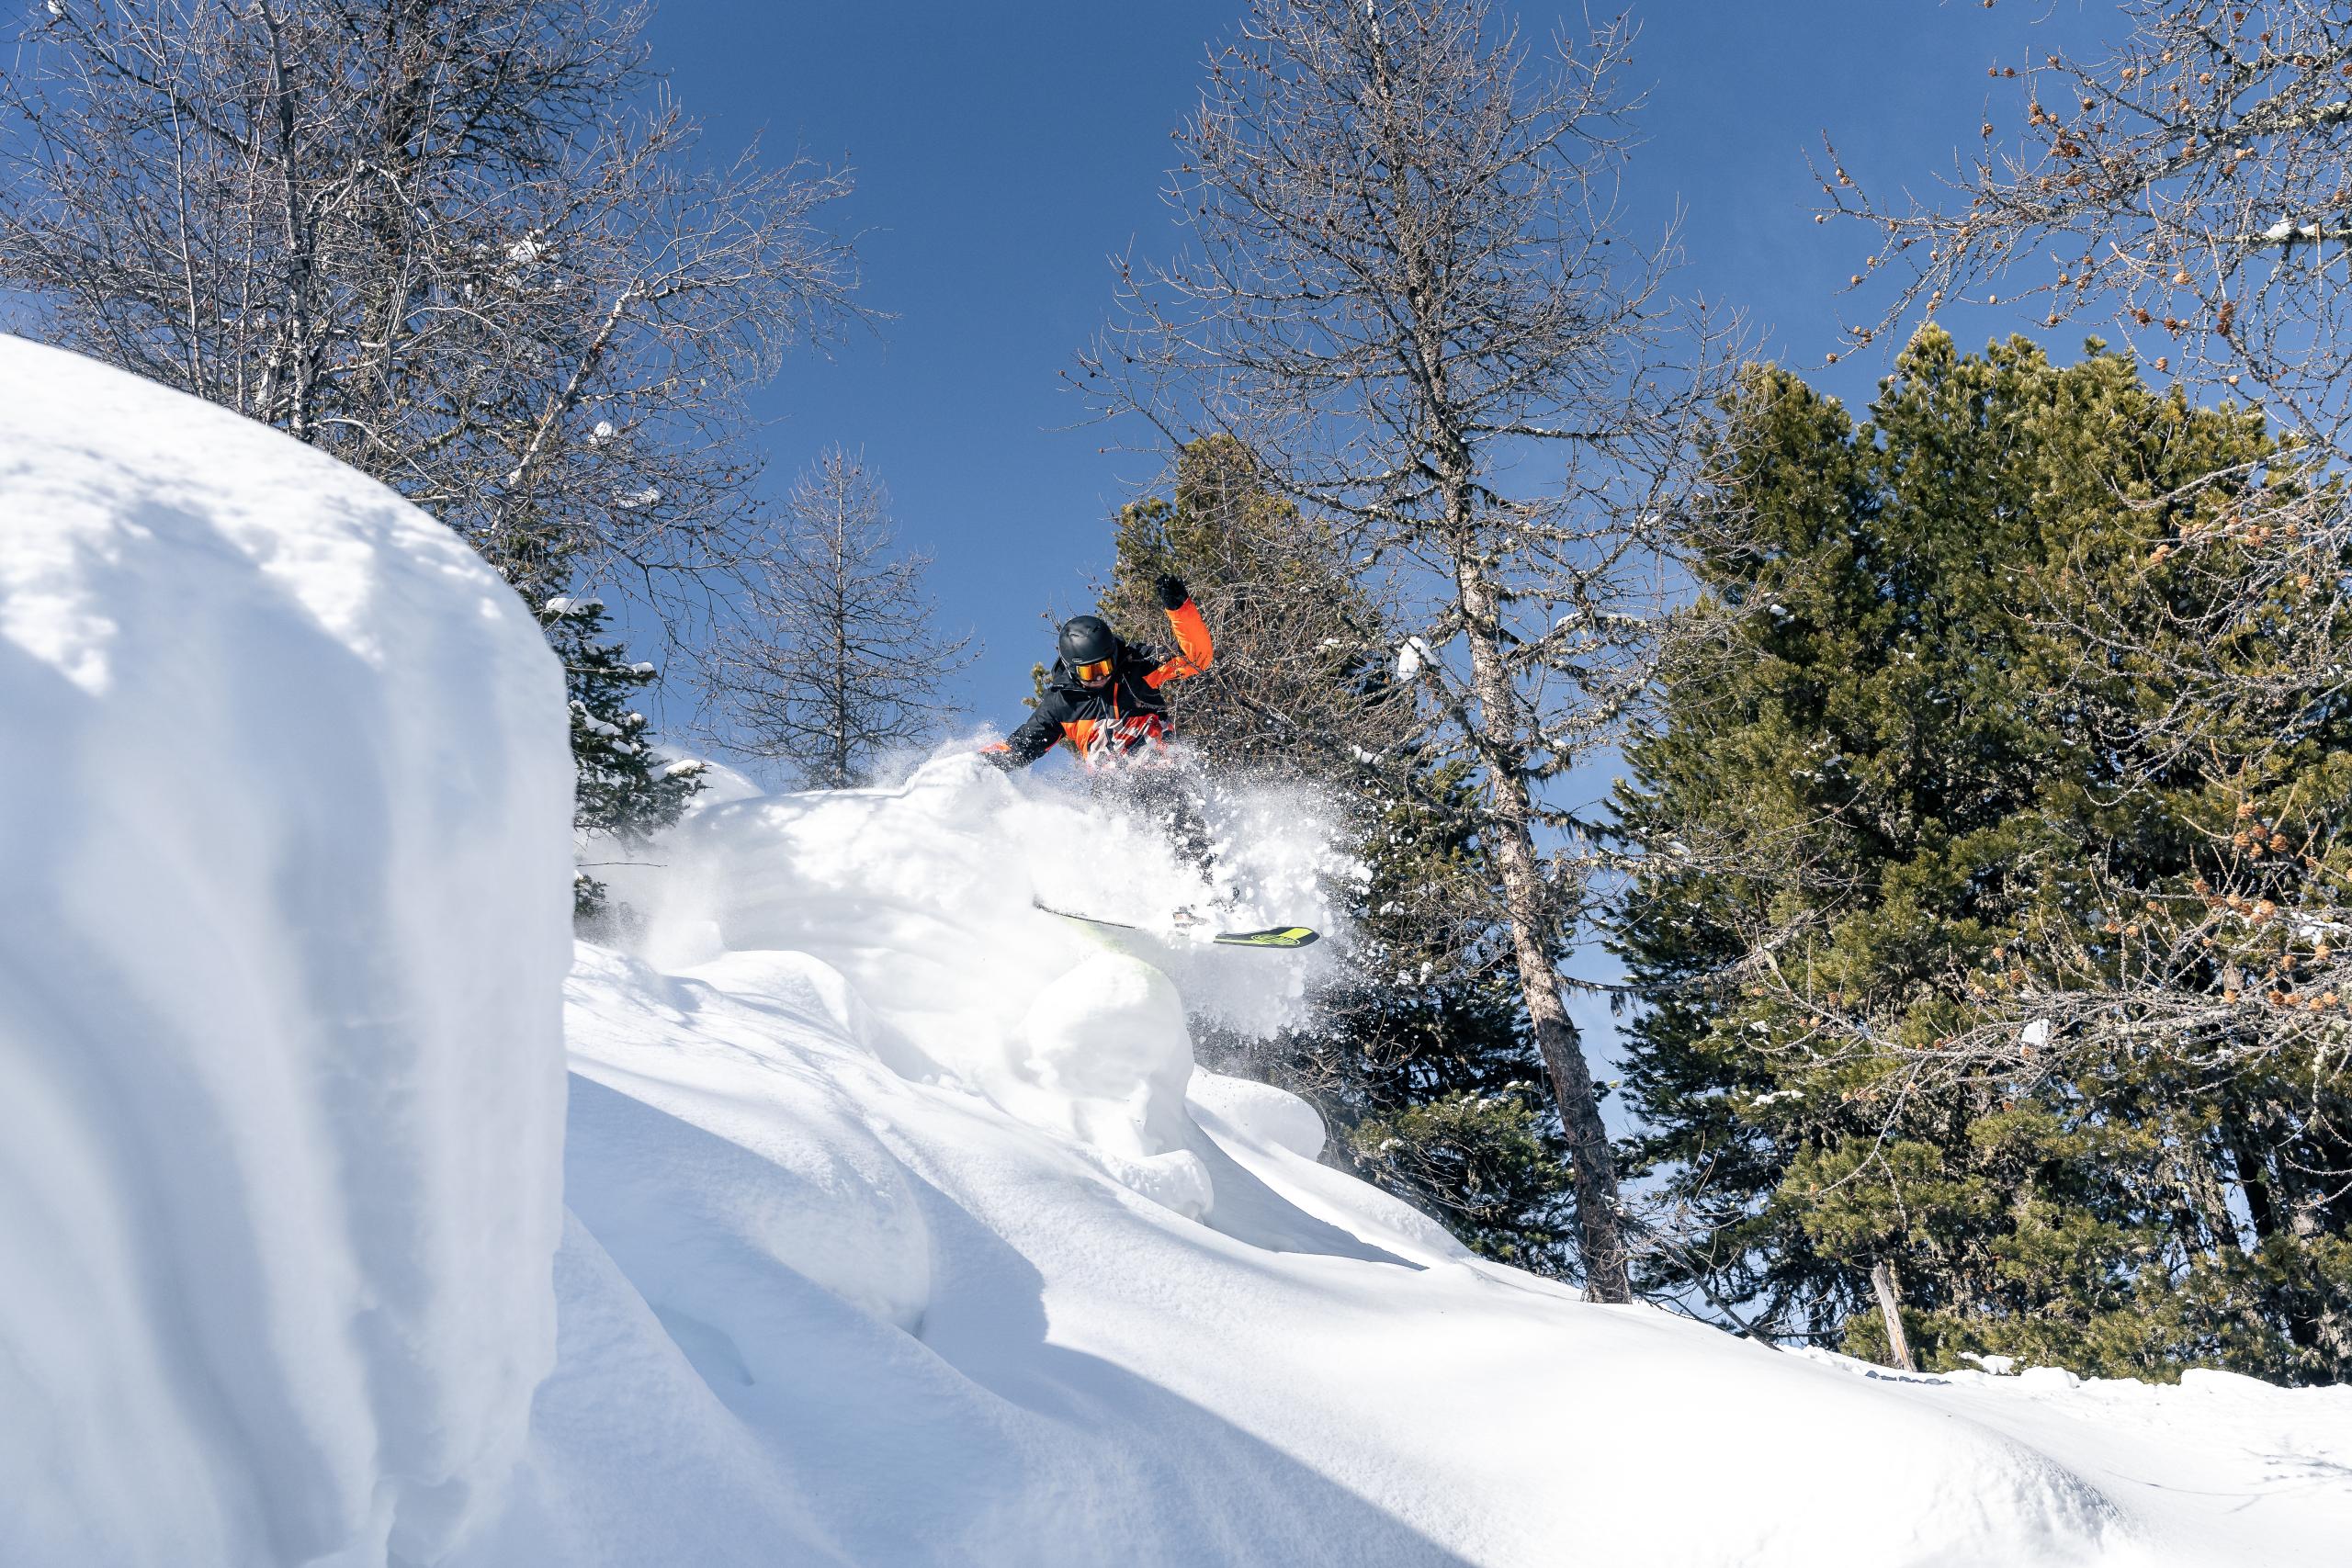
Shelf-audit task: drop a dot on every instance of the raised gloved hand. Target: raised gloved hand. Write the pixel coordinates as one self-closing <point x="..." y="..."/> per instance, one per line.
<point x="1172" y="592"/>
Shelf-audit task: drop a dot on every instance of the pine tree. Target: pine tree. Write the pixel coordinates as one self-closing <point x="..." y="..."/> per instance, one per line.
<point x="1890" y="845"/>
<point x="624" y="791"/>
<point x="1425" y="1063"/>
<point x="1301" y="676"/>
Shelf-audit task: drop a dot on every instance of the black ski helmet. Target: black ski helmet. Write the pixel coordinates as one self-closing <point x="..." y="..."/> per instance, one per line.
<point x="1085" y="639"/>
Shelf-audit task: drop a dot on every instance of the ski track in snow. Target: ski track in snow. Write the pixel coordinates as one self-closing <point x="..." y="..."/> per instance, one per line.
<point x="896" y="1225"/>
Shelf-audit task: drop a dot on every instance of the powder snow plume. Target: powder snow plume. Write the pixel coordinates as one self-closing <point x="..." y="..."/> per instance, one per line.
<point x="925" y="896"/>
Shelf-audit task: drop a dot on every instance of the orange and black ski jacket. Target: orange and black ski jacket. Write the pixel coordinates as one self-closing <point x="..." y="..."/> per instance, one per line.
<point x="1105" y="724"/>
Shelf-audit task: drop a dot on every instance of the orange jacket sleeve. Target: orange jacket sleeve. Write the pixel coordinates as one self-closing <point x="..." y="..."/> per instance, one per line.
<point x="1193" y="637"/>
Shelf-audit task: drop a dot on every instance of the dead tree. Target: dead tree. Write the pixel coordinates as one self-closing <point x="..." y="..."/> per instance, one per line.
<point x="1406" y="287"/>
<point x="467" y="247"/>
<point x="836" y="661"/>
<point x="2189" y="188"/>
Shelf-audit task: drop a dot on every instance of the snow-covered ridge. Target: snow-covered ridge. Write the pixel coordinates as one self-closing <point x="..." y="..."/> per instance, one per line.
<point x="900" y="1229"/>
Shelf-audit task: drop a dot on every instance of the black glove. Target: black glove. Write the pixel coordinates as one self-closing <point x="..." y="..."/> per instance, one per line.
<point x="1172" y="592"/>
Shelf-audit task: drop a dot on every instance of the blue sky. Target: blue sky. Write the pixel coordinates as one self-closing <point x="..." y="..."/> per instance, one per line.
<point x="1004" y="152"/>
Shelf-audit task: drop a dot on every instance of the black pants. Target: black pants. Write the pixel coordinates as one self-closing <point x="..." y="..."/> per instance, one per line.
<point x="1162" y="794"/>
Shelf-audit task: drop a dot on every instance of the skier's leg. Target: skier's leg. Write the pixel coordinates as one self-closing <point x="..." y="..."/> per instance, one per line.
<point x="1164" y="795"/>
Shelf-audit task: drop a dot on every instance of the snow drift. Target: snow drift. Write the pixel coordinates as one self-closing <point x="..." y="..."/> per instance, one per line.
<point x="901" y="1228"/>
<point x="902" y="1208"/>
<point x="280" y="1057"/>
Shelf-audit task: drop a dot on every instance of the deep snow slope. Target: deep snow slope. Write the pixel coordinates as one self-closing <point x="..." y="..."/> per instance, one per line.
<point x="886" y="1220"/>
<point x="906" y="1235"/>
<point x="282" y="1087"/>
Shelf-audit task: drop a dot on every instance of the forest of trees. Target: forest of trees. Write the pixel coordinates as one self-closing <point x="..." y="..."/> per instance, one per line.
<point x="1917" y="805"/>
<point x="1977" y="870"/>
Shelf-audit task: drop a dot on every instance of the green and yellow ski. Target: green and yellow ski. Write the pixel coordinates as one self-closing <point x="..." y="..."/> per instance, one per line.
<point x="1280" y="937"/>
<point x="1277" y="936"/>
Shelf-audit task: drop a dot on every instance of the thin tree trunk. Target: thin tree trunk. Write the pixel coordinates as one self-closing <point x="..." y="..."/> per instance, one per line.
<point x="2323" y="1325"/>
<point x="841" y="652"/>
<point x="300" y="239"/>
<point x="1593" y="1170"/>
<point x="1890" y="1307"/>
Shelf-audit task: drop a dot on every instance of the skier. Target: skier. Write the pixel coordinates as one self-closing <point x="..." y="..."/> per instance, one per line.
<point x="1103" y="700"/>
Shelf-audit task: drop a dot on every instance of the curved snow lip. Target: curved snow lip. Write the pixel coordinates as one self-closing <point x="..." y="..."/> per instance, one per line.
<point x="278" y="964"/>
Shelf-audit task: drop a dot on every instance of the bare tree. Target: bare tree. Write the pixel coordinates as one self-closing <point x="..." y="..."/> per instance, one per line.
<point x="440" y="239"/>
<point x="1407" y="284"/>
<point x="2192" y="187"/>
<point x="837" y="662"/>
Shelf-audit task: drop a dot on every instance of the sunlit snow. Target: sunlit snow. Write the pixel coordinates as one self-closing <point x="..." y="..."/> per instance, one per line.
<point x="887" y="1219"/>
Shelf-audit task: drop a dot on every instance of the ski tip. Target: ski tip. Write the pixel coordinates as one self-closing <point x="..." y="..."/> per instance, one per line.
<point x="1277" y="936"/>
<point x="1040" y="904"/>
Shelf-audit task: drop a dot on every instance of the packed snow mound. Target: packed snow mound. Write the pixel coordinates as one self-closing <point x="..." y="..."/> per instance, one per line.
<point x="281" y="1081"/>
<point x="907" y="1236"/>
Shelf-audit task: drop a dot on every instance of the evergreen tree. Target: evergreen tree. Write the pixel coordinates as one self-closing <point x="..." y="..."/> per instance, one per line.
<point x="624" y="791"/>
<point x="1424" y="1063"/>
<point x="1916" y="806"/>
<point x="1301" y="680"/>
<point x="1420" y="1060"/>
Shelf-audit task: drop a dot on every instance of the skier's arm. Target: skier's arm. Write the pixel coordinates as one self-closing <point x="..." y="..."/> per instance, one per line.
<point x="1034" y="738"/>
<point x="1192" y="635"/>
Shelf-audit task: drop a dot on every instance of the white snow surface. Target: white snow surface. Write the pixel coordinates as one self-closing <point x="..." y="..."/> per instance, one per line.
<point x="281" y="1065"/>
<point x="889" y="1222"/>
<point x="907" y="1235"/>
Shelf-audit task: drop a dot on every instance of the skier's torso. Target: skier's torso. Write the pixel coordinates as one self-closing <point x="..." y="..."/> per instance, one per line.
<point x="1107" y="723"/>
<point x="1123" y="719"/>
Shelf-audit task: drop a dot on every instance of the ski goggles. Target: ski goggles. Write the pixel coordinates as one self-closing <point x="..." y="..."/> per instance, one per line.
<point x="1100" y="670"/>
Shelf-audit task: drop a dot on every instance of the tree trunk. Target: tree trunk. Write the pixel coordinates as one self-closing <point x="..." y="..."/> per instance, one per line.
<point x="2252" y="1177"/>
<point x="1527" y="903"/>
<point x="1890" y="1307"/>
<point x="299" y="331"/>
